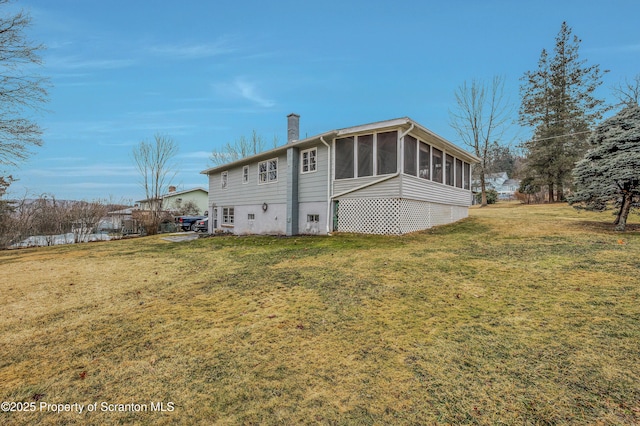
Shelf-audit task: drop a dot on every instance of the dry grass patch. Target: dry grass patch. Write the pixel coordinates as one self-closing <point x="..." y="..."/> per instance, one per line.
<point x="517" y="315"/>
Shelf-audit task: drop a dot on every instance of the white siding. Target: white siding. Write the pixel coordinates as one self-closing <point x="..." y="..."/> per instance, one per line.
<point x="313" y="186"/>
<point x="416" y="188"/>
<point x="238" y="193"/>
<point x="389" y="188"/>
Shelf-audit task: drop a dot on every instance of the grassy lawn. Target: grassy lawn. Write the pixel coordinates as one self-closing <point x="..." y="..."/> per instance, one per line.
<point x="516" y="315"/>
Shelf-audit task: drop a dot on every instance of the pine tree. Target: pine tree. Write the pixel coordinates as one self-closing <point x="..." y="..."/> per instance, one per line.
<point x="559" y="103"/>
<point x="609" y="174"/>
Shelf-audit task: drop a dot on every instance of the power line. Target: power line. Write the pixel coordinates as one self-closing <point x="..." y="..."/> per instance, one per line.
<point x="558" y="136"/>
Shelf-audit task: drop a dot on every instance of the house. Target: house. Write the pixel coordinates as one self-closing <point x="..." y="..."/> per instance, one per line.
<point x="176" y="201"/>
<point x="500" y="182"/>
<point x="389" y="177"/>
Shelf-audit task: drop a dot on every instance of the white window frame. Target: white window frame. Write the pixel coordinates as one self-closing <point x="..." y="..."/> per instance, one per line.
<point x="311" y="166"/>
<point x="251" y="217"/>
<point x="228" y="216"/>
<point x="313" y="218"/>
<point x="245" y="174"/>
<point x="224" y="180"/>
<point x="270" y="172"/>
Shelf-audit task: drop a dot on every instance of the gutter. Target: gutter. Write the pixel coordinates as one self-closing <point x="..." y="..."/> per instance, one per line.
<point x="329" y="198"/>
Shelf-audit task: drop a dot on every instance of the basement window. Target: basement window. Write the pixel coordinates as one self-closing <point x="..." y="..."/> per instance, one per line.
<point x="251" y="216"/>
<point x="314" y="218"/>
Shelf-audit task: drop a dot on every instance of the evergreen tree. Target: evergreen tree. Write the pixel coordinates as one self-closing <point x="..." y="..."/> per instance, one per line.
<point x="559" y="103"/>
<point x="609" y="174"/>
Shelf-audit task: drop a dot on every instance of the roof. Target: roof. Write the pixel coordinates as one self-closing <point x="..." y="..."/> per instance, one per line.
<point x="172" y="194"/>
<point x="405" y="123"/>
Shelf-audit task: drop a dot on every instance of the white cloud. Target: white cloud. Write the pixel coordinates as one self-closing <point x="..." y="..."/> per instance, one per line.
<point x="192" y="51"/>
<point x="74" y="62"/>
<point x="248" y="90"/>
<point x="92" y="170"/>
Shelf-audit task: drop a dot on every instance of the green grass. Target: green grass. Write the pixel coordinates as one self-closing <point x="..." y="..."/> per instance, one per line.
<point x="517" y="315"/>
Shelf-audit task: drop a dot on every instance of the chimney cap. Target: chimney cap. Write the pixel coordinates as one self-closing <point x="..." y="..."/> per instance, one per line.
<point x="294" y="114"/>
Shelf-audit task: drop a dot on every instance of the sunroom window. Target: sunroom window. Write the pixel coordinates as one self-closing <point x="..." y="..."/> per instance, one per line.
<point x="344" y="158"/>
<point x="410" y="160"/>
<point x="387" y="155"/>
<point x="365" y="155"/>
<point x="424" y="161"/>
<point x="437" y="165"/>
<point x="449" y="170"/>
<point x="458" y="173"/>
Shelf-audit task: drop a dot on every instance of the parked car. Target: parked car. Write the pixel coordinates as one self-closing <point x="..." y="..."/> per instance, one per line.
<point x="188" y="223"/>
<point x="202" y="225"/>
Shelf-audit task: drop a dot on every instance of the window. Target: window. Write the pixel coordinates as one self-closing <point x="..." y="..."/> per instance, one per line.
<point x="309" y="163"/>
<point x="365" y="155"/>
<point x="387" y="155"/>
<point x="313" y="218"/>
<point x="467" y="176"/>
<point x="228" y="216"/>
<point x="410" y="151"/>
<point x="251" y="216"/>
<point x="458" y="173"/>
<point x="268" y="171"/>
<point x="424" y="161"/>
<point x="245" y="174"/>
<point x="437" y="165"/>
<point x="224" y="176"/>
<point x="344" y="158"/>
<point x="449" y="170"/>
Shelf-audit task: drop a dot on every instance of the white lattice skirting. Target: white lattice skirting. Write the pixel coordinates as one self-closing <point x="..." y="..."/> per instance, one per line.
<point x="394" y="215"/>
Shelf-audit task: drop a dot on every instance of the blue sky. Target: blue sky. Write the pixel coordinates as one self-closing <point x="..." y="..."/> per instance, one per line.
<point x="208" y="72"/>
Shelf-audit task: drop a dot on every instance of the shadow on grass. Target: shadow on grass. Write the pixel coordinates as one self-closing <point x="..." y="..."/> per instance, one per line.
<point x="608" y="227"/>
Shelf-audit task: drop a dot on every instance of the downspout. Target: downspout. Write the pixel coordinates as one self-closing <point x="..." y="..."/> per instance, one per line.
<point x="329" y="218"/>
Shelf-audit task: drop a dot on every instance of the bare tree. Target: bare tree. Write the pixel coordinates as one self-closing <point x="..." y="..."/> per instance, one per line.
<point x="480" y="118"/>
<point x="154" y="161"/>
<point x="21" y="91"/>
<point x="240" y="148"/>
<point x="628" y="92"/>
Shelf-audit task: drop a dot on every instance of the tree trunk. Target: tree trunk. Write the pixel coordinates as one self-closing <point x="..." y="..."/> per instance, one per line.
<point x="624" y="211"/>
<point x="551" y="199"/>
<point x="559" y="192"/>
<point x="483" y="189"/>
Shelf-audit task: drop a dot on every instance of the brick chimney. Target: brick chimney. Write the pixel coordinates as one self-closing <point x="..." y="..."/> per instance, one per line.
<point x="172" y="189"/>
<point x="293" y="127"/>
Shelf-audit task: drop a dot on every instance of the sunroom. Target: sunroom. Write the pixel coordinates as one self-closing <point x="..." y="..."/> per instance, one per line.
<point x="397" y="181"/>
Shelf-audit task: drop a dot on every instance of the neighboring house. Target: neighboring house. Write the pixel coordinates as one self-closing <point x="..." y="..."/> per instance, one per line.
<point x="175" y="200"/>
<point x="500" y="182"/>
<point x="389" y="177"/>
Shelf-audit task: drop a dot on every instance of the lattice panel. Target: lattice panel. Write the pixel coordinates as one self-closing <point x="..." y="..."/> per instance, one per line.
<point x="369" y="216"/>
<point x="394" y="216"/>
<point x="414" y="215"/>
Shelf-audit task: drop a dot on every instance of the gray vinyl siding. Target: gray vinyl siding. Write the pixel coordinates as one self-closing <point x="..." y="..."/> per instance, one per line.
<point x="389" y="188"/>
<point x="312" y="186"/>
<point x="416" y="188"/>
<point x="238" y="193"/>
